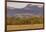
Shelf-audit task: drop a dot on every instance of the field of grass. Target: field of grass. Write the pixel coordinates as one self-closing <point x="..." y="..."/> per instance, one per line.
<point x="18" y="23"/>
<point x="24" y="20"/>
<point x="22" y="27"/>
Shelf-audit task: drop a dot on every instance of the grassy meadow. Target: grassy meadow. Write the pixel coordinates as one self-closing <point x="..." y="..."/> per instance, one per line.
<point x="17" y="23"/>
<point x="24" y="20"/>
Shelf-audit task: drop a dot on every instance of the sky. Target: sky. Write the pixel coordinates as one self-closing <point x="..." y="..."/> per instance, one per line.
<point x="21" y="5"/>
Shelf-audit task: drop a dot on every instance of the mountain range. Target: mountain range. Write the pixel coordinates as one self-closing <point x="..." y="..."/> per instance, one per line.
<point x="28" y="10"/>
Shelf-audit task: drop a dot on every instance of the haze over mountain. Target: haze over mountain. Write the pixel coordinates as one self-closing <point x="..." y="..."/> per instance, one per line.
<point x="28" y="10"/>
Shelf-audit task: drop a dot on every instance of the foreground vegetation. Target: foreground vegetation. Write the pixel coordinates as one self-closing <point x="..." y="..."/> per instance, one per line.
<point x="24" y="27"/>
<point x="24" y="20"/>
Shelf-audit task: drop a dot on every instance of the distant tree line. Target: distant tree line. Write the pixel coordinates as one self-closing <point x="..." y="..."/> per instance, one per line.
<point x="23" y="21"/>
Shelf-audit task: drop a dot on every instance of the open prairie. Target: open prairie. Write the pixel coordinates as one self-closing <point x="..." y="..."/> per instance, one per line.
<point x="22" y="27"/>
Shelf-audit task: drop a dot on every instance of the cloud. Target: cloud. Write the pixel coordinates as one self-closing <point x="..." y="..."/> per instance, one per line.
<point x="21" y="5"/>
<point x="16" y="4"/>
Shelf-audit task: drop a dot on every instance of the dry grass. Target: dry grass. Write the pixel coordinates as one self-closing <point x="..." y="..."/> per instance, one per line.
<point x="19" y="27"/>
